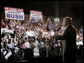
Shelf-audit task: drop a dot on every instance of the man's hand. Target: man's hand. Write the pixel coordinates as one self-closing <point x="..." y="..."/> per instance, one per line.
<point x="56" y="34"/>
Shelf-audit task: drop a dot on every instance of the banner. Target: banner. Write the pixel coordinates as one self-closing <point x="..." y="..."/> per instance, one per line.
<point x="56" y="21"/>
<point x="35" y="16"/>
<point x="5" y="30"/>
<point x="14" y="13"/>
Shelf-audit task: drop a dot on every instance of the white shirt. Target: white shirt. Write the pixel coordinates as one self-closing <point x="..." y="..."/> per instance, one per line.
<point x="79" y="43"/>
<point x="16" y="49"/>
<point x="52" y="33"/>
<point x="36" y="43"/>
<point x="28" y="45"/>
<point x="11" y="45"/>
<point x="42" y="44"/>
<point x="63" y="28"/>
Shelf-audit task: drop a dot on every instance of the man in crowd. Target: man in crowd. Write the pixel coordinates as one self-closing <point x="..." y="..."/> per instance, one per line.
<point x="2" y="24"/>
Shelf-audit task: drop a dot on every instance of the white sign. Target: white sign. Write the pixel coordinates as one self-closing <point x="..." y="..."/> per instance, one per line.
<point x="8" y="55"/>
<point x="36" y="16"/>
<point x="30" y="33"/>
<point x="36" y="52"/>
<point x="14" y="13"/>
<point x="56" y="20"/>
<point x="6" y="30"/>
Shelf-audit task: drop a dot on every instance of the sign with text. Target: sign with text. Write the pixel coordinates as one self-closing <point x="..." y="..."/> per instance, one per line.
<point x="36" y="16"/>
<point x="14" y="13"/>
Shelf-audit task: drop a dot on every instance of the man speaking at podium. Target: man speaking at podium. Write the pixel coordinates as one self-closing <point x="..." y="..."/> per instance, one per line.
<point x="70" y="41"/>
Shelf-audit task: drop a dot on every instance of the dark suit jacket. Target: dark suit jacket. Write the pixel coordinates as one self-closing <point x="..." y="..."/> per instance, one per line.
<point x="70" y="39"/>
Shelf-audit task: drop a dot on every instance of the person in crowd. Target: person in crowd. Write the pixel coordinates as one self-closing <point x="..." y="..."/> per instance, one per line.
<point x="20" y="46"/>
<point x="2" y="23"/>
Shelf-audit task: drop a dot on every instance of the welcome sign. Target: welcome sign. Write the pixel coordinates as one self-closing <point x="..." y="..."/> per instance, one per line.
<point x="14" y="13"/>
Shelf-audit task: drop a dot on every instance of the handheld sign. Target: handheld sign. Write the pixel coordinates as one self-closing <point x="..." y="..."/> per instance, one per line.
<point x="14" y="13"/>
<point x="35" y="16"/>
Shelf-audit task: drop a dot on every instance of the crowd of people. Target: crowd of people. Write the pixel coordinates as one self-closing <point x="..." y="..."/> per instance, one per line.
<point x="19" y="45"/>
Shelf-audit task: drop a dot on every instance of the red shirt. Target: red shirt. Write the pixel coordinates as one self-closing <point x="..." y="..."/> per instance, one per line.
<point x="2" y="24"/>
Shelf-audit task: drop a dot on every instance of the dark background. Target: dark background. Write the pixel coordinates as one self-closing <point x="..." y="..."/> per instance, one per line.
<point x="73" y="9"/>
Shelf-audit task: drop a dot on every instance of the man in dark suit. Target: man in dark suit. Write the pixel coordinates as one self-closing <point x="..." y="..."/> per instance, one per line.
<point x="70" y="40"/>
